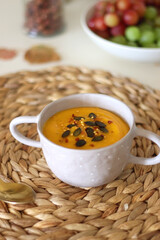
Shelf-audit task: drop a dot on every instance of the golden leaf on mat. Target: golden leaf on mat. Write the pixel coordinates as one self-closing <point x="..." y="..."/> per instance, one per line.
<point x="41" y="54"/>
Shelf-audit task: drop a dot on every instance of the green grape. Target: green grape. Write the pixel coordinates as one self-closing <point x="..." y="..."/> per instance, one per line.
<point x="119" y="39"/>
<point x="147" y="37"/>
<point x="151" y="13"/>
<point x="145" y="26"/>
<point x="132" y="44"/>
<point x="157" y="33"/>
<point x="157" y="21"/>
<point x="132" y="33"/>
<point x="158" y="43"/>
<point x="150" y="45"/>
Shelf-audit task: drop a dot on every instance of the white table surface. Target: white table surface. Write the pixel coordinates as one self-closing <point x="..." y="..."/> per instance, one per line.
<point x="72" y="44"/>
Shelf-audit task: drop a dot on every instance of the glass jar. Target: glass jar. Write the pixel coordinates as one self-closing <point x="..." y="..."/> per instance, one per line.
<point x="43" y="17"/>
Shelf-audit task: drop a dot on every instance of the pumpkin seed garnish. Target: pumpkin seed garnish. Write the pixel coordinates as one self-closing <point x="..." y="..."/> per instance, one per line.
<point x="103" y="129"/>
<point x="98" y="138"/>
<point x="90" y="132"/>
<point x="71" y="125"/>
<point x="66" y="133"/>
<point x="77" y="132"/>
<point x="100" y="124"/>
<point x="92" y="115"/>
<point x="89" y="123"/>
<point x="80" y="143"/>
<point x="78" y="118"/>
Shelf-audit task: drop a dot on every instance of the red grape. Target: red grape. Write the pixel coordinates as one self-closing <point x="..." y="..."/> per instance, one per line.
<point x="123" y="4"/>
<point x="139" y="7"/>
<point x="120" y="13"/>
<point x="144" y="1"/>
<point x="100" y="24"/>
<point x="130" y="17"/>
<point x="153" y="2"/>
<point x="111" y="19"/>
<point x="99" y="13"/>
<point x="110" y="7"/>
<point x="103" y="34"/>
<point x="101" y="5"/>
<point x="91" y="23"/>
<point x="118" y="30"/>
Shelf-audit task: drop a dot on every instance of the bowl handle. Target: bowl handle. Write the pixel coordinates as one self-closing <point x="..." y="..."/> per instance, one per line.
<point x="153" y="137"/>
<point x="17" y="135"/>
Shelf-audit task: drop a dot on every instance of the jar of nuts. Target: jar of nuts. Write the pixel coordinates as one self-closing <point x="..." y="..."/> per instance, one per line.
<point x="43" y="17"/>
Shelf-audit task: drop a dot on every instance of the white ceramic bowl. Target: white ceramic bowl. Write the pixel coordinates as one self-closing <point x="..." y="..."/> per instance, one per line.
<point x="122" y="51"/>
<point x="90" y="167"/>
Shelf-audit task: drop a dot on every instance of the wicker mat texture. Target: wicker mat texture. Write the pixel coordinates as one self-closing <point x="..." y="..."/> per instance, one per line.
<point x="127" y="208"/>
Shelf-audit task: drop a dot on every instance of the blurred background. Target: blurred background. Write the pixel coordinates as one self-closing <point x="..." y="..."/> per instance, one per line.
<point x="70" y="43"/>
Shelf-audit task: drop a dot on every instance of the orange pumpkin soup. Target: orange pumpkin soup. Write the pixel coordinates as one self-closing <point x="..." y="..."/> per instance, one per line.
<point x="85" y="128"/>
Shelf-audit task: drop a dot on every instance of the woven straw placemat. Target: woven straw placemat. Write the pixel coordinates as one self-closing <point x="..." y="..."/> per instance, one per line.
<point x="127" y="208"/>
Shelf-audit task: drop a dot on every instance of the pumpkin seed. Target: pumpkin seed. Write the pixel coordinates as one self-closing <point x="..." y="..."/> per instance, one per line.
<point x="100" y="124"/>
<point x="77" y="132"/>
<point x="89" y="123"/>
<point x="103" y="129"/>
<point x="71" y="125"/>
<point x="78" y="118"/>
<point x="80" y="143"/>
<point x="92" y="115"/>
<point x="98" y="138"/>
<point x="90" y="132"/>
<point x="66" y="133"/>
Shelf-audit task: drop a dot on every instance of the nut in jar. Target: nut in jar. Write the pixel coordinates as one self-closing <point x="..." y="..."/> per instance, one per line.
<point x="43" y="17"/>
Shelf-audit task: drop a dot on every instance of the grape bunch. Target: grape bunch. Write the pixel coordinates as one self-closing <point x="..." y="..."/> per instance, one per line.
<point x="129" y="22"/>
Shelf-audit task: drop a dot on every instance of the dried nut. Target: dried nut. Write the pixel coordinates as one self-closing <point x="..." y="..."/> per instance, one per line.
<point x="80" y="143"/>
<point x="100" y="124"/>
<point x="90" y="132"/>
<point x="98" y="138"/>
<point x="77" y="132"/>
<point x="89" y="123"/>
<point x="66" y="133"/>
<point x="71" y="125"/>
<point x="78" y="118"/>
<point x="103" y="129"/>
<point x="92" y="115"/>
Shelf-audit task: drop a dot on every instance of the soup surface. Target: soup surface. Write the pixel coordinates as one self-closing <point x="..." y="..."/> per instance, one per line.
<point x="85" y="128"/>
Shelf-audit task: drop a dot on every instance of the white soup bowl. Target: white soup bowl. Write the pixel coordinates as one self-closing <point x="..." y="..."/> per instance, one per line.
<point x="92" y="167"/>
